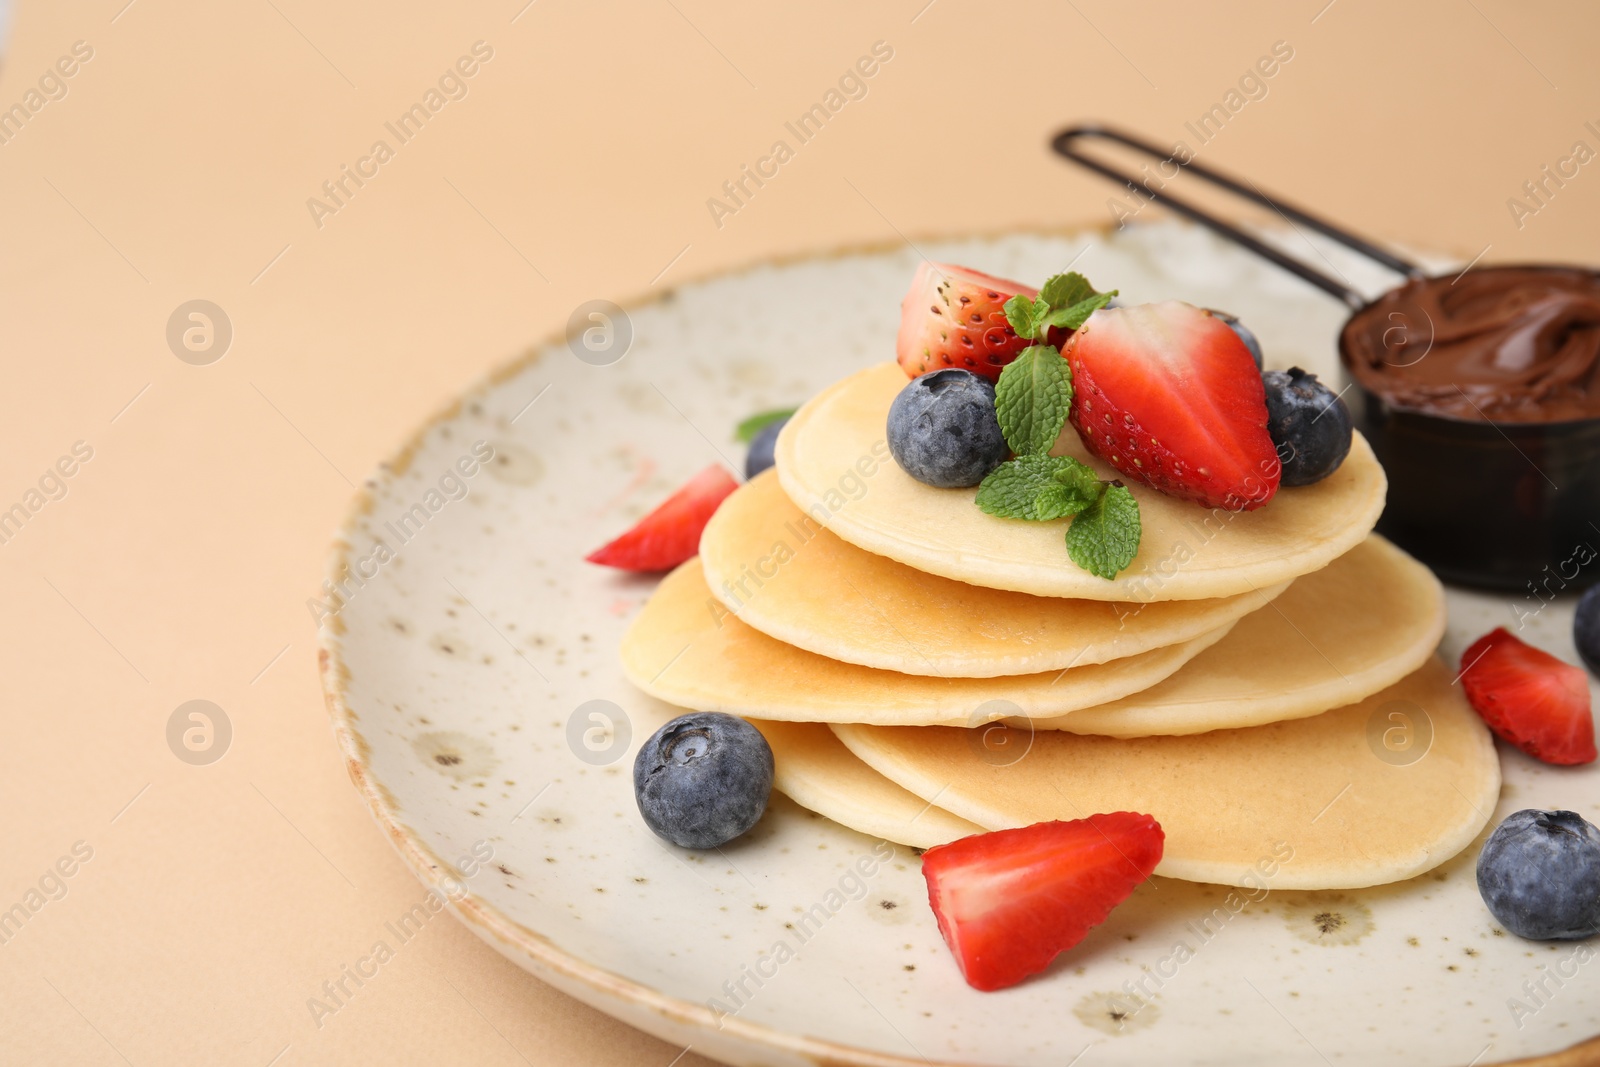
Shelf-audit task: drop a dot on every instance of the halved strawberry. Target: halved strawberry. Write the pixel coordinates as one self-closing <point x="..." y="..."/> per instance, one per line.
<point x="955" y="317"/>
<point x="671" y="533"/>
<point x="1010" y="901"/>
<point x="1530" y="698"/>
<point x="1168" y="395"/>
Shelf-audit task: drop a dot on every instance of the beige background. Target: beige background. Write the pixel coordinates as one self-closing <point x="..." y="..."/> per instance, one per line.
<point x="177" y="566"/>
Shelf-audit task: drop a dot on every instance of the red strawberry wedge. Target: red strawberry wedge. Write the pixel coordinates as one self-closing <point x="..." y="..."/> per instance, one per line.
<point x="1168" y="395"/>
<point x="1010" y="901"/>
<point x="670" y="534"/>
<point x="955" y="317"/>
<point x="1529" y="698"/>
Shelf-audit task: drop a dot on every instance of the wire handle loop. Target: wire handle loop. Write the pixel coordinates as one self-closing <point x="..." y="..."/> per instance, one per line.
<point x="1065" y="145"/>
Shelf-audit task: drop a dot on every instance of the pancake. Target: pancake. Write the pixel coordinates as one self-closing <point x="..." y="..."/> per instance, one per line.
<point x="833" y="461"/>
<point x="1337" y="636"/>
<point x="816" y="771"/>
<point x="1352" y="812"/>
<point x="785" y="575"/>
<point x="686" y="649"/>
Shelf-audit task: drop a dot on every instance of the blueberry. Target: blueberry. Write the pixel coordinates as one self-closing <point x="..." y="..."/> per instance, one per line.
<point x="1586" y="629"/>
<point x="703" y="779"/>
<point x="1309" y="424"/>
<point x="943" y="429"/>
<point x="1539" y="873"/>
<point x="1244" y="333"/>
<point x="759" y="458"/>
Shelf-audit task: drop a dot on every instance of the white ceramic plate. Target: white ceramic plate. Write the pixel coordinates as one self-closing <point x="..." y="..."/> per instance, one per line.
<point x="459" y="676"/>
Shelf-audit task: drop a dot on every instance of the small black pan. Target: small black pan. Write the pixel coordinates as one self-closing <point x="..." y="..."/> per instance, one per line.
<point x="1505" y="503"/>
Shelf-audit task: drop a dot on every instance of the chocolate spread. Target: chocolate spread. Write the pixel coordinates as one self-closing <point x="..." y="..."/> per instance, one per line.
<point x="1507" y="344"/>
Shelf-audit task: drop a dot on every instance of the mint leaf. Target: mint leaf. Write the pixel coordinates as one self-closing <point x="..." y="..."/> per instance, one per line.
<point x="1020" y="312"/>
<point x="1032" y="398"/>
<point x="747" y="430"/>
<point x="1038" y="488"/>
<point x="1104" y="537"/>
<point x="1077" y="314"/>
<point x="1076" y="487"/>
<point x="1041" y="313"/>
<point x="1064" y="290"/>
<point x="1066" y="300"/>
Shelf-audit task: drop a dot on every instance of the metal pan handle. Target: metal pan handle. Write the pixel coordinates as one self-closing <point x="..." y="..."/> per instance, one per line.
<point x="1064" y="144"/>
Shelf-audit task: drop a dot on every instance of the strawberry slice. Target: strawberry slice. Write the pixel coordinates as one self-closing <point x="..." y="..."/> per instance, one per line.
<point x="955" y="317"/>
<point x="1530" y="698"/>
<point x="671" y="533"/>
<point x="1010" y="901"/>
<point x="1168" y="395"/>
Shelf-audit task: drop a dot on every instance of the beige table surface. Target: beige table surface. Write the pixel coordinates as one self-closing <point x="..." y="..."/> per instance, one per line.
<point x="178" y="166"/>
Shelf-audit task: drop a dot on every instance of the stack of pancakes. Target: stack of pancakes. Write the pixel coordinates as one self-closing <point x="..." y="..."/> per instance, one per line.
<point x="1263" y="683"/>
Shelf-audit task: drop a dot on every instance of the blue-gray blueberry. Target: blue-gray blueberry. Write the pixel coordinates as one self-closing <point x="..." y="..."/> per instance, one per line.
<point x="1308" y="423"/>
<point x="759" y="457"/>
<point x="1586" y="629"/>
<point x="703" y="779"/>
<point x="1539" y="874"/>
<point x="943" y="430"/>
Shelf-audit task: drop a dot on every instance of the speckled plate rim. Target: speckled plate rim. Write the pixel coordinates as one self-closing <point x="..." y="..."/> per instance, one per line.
<point x="639" y="1005"/>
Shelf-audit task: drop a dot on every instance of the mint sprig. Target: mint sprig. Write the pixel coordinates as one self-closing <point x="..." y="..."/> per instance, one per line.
<point x="1025" y="315"/>
<point x="1104" y="537"/>
<point x="1063" y="290"/>
<point x="1034" y="393"/>
<point x="1032" y="401"/>
<point x="1066" y="300"/>
<point x="1039" y="488"/>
